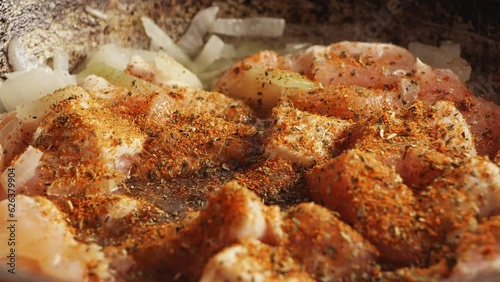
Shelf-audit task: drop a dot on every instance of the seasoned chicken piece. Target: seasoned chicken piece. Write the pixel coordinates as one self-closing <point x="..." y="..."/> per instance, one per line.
<point x="231" y="214"/>
<point x="15" y="135"/>
<point x="371" y="65"/>
<point x="448" y="129"/>
<point x="108" y="219"/>
<point x="44" y="244"/>
<point x="258" y="81"/>
<point x="453" y="201"/>
<point x="86" y="148"/>
<point x="252" y="261"/>
<point x="189" y="101"/>
<point x="345" y="101"/>
<point x="25" y="169"/>
<point x="420" y="165"/>
<point x="303" y="138"/>
<point x="421" y="141"/>
<point x="190" y="144"/>
<point x="275" y="181"/>
<point x="481" y="115"/>
<point x="478" y="253"/>
<point x="231" y="80"/>
<point x="165" y="101"/>
<point x="371" y="197"/>
<point x="329" y="249"/>
<point x="476" y="258"/>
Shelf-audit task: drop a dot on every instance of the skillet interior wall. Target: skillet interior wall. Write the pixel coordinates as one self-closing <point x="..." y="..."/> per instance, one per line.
<point x="48" y="26"/>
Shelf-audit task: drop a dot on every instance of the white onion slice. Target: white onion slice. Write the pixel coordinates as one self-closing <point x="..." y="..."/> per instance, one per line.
<point x="110" y="55"/>
<point x="118" y="57"/>
<point x="246" y="48"/>
<point x="15" y="91"/>
<point x="293" y="47"/>
<point x="451" y="49"/>
<point x="61" y="62"/>
<point x="445" y="57"/>
<point x="19" y="57"/>
<point x="209" y="54"/>
<point x="96" y="13"/>
<point x="160" y="38"/>
<point x="257" y="26"/>
<point x="192" y="40"/>
<point x="175" y="73"/>
<point x="39" y="108"/>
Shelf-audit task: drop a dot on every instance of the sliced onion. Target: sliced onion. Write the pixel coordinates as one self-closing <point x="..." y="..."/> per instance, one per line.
<point x="19" y="57"/>
<point x="451" y="49"/>
<point x="38" y="108"/>
<point x="445" y="57"/>
<point x="96" y="13"/>
<point x="160" y="38"/>
<point x="15" y="91"/>
<point x="257" y="26"/>
<point x="192" y="40"/>
<point x="175" y="73"/>
<point x="118" y="57"/>
<point x="247" y="47"/>
<point x="209" y="75"/>
<point x="110" y="55"/>
<point x="61" y="62"/>
<point x="210" y="53"/>
<point x="121" y="79"/>
<point x="262" y="88"/>
<point x="294" y="47"/>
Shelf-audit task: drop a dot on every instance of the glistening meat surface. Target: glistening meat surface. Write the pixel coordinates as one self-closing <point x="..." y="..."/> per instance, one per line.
<point x="350" y="162"/>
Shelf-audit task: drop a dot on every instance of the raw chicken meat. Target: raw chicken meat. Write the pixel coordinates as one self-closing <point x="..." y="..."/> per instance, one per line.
<point x="348" y="162"/>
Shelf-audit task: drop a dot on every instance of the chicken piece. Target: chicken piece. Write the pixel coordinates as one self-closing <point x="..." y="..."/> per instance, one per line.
<point x="476" y="258"/>
<point x="421" y="141"/>
<point x="166" y="71"/>
<point x="370" y="65"/>
<point x="231" y="78"/>
<point x="303" y="138"/>
<point x="108" y="219"/>
<point x="448" y="129"/>
<point x="44" y="244"/>
<point x="190" y="144"/>
<point x="24" y="168"/>
<point x="453" y="201"/>
<point x="167" y="100"/>
<point x="345" y="101"/>
<point x="478" y="253"/>
<point x="15" y="135"/>
<point x="497" y="158"/>
<point x="481" y="115"/>
<point x="329" y="249"/>
<point x="275" y="181"/>
<point x="439" y="126"/>
<point x="86" y="148"/>
<point x="371" y="197"/>
<point x="420" y="165"/>
<point x="231" y="214"/>
<point x="194" y="102"/>
<point x="251" y="261"/>
<point x="256" y="81"/>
